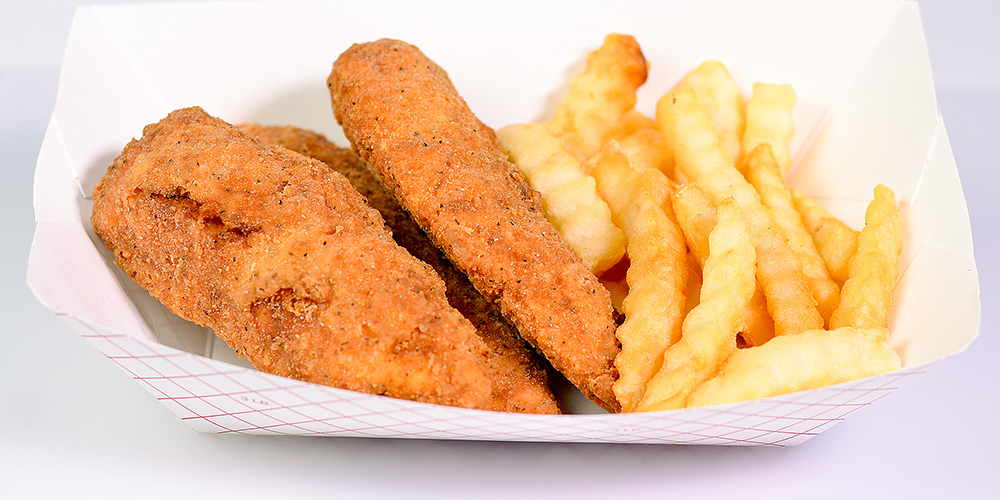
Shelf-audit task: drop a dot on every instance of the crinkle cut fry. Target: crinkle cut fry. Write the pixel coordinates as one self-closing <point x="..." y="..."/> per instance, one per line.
<point x="867" y="293"/>
<point x="600" y="96"/>
<point x="569" y="195"/>
<point x="709" y="331"/>
<point x="696" y="215"/>
<point x="657" y="273"/>
<point x="836" y="242"/>
<point x="763" y="172"/>
<point x="403" y="115"/>
<point x="283" y="259"/>
<point x="814" y="358"/>
<point x="702" y="158"/>
<point x="520" y="383"/>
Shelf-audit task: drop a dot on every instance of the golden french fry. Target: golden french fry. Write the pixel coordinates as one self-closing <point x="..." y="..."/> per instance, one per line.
<point x="836" y="242"/>
<point x="709" y="331"/>
<point x="693" y="284"/>
<point x="794" y="363"/>
<point x="703" y="159"/>
<point x="655" y="304"/>
<point x="618" y="290"/>
<point x="647" y="149"/>
<point x="640" y="138"/>
<point x="722" y="100"/>
<point x="729" y="279"/>
<point x="765" y="176"/>
<point x="696" y="217"/>
<point x="657" y="274"/>
<point x="631" y="122"/>
<point x="769" y="120"/>
<point x="568" y="194"/>
<point x="867" y="294"/>
<point x="758" y="326"/>
<point x="618" y="181"/>
<point x="600" y="96"/>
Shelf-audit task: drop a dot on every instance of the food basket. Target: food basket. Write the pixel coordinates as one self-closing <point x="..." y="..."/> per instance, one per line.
<point x="866" y="115"/>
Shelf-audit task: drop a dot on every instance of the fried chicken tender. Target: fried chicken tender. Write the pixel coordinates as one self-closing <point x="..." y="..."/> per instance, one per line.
<point x="403" y="115"/>
<point x="520" y="383"/>
<point x="286" y="262"/>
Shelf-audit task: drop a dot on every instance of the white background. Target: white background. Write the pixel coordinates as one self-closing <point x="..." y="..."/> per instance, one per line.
<point x="72" y="425"/>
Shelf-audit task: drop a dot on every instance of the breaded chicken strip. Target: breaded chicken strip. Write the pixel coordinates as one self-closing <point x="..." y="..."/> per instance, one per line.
<point x="520" y="383"/>
<point x="403" y="115"/>
<point x="286" y="262"/>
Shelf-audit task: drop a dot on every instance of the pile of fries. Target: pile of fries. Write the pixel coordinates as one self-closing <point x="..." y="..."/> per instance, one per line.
<point x="732" y="285"/>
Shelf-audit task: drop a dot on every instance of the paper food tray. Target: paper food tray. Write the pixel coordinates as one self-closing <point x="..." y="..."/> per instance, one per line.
<point x="866" y="115"/>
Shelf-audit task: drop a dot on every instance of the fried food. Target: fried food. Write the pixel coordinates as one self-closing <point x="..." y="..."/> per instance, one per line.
<point x="709" y="331"/>
<point x="647" y="149"/>
<point x="765" y="176"/>
<point x="601" y="96"/>
<point x="811" y="359"/>
<point x="403" y="115"/>
<point x="867" y="293"/>
<point x="702" y="158"/>
<point x="520" y="383"/>
<point x="696" y="217"/>
<point x="569" y="195"/>
<point x="769" y="121"/>
<point x="857" y="344"/>
<point x="657" y="274"/>
<point x="836" y="242"/>
<point x="701" y="196"/>
<point x="721" y="98"/>
<point x="286" y="262"/>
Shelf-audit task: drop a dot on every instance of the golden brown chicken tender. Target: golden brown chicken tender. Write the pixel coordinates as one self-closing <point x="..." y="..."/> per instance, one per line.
<point x="286" y="262"/>
<point x="520" y="383"/>
<point x="403" y="115"/>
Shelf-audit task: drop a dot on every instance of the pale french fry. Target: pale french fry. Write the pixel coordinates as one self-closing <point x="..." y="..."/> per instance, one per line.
<point x="721" y="98"/>
<point x="709" y="331"/>
<point x="569" y="195"/>
<point x="696" y="217"/>
<point x="769" y="120"/>
<point x="600" y="96"/>
<point x="867" y="294"/>
<point x="836" y="242"/>
<point x="703" y="159"/>
<point x="765" y="176"/>
<point x="795" y="363"/>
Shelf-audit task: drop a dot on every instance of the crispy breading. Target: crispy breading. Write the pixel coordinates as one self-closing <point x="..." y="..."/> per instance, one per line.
<point x="404" y="116"/>
<point x="520" y="383"/>
<point x="286" y="262"/>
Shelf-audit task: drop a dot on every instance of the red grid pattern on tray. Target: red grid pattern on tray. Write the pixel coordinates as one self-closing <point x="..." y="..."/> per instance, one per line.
<point x="212" y="396"/>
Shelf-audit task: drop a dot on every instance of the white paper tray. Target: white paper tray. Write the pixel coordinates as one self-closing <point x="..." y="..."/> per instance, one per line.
<point x="867" y="114"/>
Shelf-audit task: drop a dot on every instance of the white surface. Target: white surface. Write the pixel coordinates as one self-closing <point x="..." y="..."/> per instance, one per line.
<point x="73" y="425"/>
